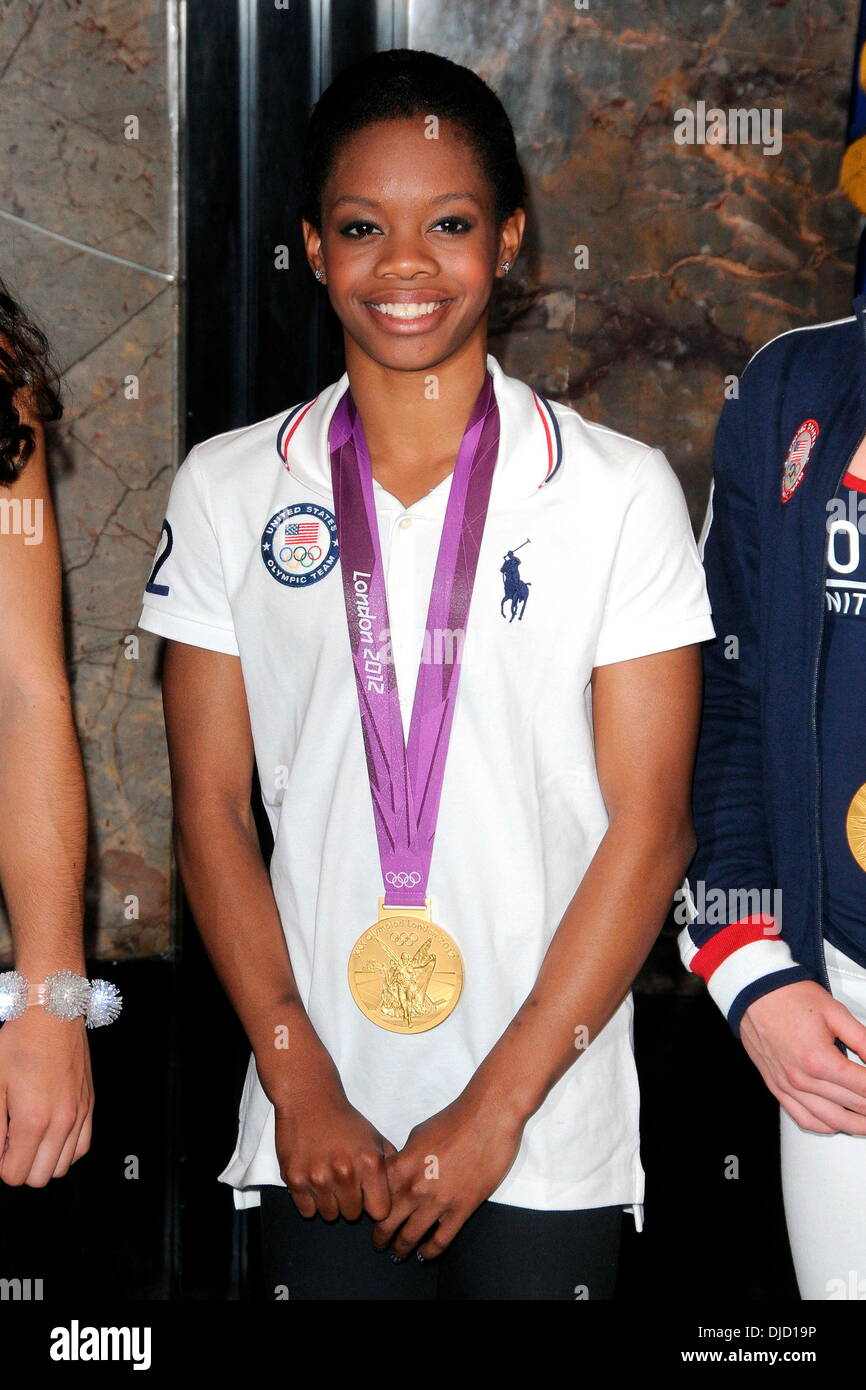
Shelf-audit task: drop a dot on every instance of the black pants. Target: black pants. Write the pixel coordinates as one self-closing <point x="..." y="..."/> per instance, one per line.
<point x="501" y="1252"/>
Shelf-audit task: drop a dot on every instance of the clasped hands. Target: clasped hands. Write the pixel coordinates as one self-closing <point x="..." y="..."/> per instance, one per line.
<point x="335" y="1163"/>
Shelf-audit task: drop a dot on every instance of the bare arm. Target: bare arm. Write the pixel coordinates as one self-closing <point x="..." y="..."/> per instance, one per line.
<point x="331" y="1158"/>
<point x="46" y="1096"/>
<point x="646" y="719"/>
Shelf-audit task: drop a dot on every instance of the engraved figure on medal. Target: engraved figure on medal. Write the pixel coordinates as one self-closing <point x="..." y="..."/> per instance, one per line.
<point x="404" y="990"/>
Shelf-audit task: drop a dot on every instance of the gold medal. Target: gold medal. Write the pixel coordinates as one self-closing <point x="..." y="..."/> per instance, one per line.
<point x="855" y="826"/>
<point x="405" y="972"/>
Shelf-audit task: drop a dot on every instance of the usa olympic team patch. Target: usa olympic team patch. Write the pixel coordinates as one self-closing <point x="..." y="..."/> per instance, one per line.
<point x="798" y="456"/>
<point x="299" y="544"/>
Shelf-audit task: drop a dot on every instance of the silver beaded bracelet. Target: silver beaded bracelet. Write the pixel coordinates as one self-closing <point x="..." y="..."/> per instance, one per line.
<point x="64" y="994"/>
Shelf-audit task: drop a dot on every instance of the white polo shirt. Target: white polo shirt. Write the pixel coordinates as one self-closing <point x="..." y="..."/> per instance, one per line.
<point x="248" y="564"/>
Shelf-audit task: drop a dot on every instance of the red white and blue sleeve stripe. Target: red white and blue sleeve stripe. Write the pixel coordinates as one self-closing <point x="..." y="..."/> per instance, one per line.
<point x="740" y="962"/>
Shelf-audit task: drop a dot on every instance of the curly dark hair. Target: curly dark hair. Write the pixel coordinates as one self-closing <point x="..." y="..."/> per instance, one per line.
<point x="406" y="82"/>
<point x="25" y="361"/>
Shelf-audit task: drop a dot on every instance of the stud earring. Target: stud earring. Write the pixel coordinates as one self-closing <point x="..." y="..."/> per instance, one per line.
<point x="318" y="272"/>
<point x="506" y="266"/>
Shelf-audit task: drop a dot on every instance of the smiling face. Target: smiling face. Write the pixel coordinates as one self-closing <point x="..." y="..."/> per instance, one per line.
<point x="409" y="243"/>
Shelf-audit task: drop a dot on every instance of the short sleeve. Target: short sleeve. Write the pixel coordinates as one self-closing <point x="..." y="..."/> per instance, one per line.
<point x="657" y="593"/>
<point x="185" y="597"/>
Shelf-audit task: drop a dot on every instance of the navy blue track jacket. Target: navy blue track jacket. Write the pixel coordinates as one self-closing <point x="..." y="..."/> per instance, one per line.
<point x="754" y="888"/>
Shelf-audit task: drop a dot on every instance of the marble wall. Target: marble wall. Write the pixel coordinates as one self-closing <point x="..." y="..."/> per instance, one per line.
<point x="88" y="241"/>
<point x="696" y="254"/>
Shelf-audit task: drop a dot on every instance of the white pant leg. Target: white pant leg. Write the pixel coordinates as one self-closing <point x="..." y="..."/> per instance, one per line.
<point x="824" y="1180"/>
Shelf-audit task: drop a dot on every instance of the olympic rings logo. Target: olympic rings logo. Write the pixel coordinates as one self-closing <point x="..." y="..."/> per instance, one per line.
<point x="403" y="878"/>
<point x="300" y="556"/>
<point x="404" y="938"/>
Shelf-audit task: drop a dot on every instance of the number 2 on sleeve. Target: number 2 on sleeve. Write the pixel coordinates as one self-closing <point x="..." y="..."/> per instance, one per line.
<point x="152" y="587"/>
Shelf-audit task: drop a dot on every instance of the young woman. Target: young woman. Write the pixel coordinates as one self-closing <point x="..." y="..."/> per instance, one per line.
<point x="480" y="817"/>
<point x="46" y="1092"/>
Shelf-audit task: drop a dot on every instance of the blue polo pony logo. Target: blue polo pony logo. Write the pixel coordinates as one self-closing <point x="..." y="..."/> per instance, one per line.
<point x="516" y="589"/>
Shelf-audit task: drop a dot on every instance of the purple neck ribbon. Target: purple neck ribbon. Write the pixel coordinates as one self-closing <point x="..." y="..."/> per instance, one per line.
<point x="406" y="779"/>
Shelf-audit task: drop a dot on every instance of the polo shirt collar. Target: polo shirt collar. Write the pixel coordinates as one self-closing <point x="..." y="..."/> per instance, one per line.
<point x="530" y="445"/>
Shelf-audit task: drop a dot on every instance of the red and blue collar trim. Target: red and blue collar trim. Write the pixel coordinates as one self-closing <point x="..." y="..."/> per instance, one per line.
<point x="552" y="436"/>
<point x="288" y="427"/>
<point x="544" y="412"/>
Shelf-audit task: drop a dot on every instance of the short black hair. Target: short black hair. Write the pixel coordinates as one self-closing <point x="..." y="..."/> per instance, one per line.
<point x="399" y="84"/>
